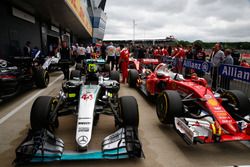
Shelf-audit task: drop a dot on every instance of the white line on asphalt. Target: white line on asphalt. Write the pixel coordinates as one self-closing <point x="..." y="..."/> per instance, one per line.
<point x="246" y="143"/>
<point x="7" y="116"/>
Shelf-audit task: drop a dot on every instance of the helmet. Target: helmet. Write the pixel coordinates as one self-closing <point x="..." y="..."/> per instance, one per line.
<point x="92" y="68"/>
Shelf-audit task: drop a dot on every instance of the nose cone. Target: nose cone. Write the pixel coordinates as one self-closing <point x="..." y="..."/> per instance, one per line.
<point x="231" y="128"/>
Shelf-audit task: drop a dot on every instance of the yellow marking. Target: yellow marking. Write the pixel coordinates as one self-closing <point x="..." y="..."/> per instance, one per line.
<point x="110" y="95"/>
<point x="219" y="131"/>
<point x="71" y="95"/>
<point x="213" y="102"/>
<point x="213" y="129"/>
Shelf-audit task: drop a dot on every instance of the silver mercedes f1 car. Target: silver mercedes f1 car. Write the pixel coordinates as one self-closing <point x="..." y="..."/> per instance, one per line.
<point x="87" y="100"/>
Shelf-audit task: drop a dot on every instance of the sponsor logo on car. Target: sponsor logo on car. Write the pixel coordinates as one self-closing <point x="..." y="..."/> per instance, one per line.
<point x="82" y="139"/>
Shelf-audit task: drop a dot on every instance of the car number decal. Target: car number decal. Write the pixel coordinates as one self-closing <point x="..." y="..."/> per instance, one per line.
<point x="87" y="96"/>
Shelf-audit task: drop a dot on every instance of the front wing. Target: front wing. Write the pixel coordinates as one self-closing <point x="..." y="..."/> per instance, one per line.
<point x="43" y="146"/>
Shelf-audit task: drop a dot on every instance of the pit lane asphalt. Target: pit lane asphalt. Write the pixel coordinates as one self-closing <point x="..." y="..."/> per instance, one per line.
<point x="162" y="146"/>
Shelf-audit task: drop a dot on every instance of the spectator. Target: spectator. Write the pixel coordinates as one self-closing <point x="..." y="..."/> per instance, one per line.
<point x="244" y="63"/>
<point x="236" y="56"/>
<point x="141" y="52"/>
<point x="179" y="55"/>
<point x="136" y="51"/>
<point x="188" y="55"/>
<point x="65" y="59"/>
<point x="164" y="51"/>
<point x="111" y="50"/>
<point x="228" y="57"/>
<point x="117" y="57"/>
<point x="157" y="53"/>
<point x="216" y="59"/>
<point x="74" y="53"/>
<point x="169" y="50"/>
<point x="200" y="56"/>
<point x="88" y="52"/>
<point x="225" y="81"/>
<point x="81" y="52"/>
<point x="103" y="51"/>
<point x="27" y="49"/>
<point x="151" y="52"/>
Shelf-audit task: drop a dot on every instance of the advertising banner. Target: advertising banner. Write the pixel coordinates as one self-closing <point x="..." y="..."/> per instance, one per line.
<point x="235" y="72"/>
<point x="197" y="65"/>
<point x="81" y="13"/>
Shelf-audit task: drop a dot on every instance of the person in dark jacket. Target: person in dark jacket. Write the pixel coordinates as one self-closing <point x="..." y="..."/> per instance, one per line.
<point x="225" y="81"/>
<point x="103" y="51"/>
<point x="65" y="59"/>
<point x="27" y="49"/>
<point x="200" y="56"/>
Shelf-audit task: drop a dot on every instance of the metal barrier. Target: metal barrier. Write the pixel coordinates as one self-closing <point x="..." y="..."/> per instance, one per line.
<point x="235" y="77"/>
<point x="225" y="76"/>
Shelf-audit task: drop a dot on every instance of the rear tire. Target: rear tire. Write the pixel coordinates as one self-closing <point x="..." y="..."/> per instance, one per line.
<point x="75" y="74"/>
<point x="129" y="111"/>
<point x="106" y="67"/>
<point x="42" y="114"/>
<point x="115" y="75"/>
<point x="240" y="100"/>
<point x="41" y="78"/>
<point x="133" y="75"/>
<point x="168" y="106"/>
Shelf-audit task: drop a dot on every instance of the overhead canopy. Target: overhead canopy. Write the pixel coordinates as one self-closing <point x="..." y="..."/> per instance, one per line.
<point x="58" y="13"/>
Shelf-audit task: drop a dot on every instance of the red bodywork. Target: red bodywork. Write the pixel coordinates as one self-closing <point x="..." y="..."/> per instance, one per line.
<point x="138" y="63"/>
<point x="224" y="125"/>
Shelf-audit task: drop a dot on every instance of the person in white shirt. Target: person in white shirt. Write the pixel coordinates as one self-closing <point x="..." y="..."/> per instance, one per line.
<point x="81" y="52"/>
<point x="111" y="53"/>
<point x="216" y="60"/>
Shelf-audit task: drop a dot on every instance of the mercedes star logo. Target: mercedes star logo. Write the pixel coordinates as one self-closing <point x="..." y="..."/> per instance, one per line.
<point x="82" y="139"/>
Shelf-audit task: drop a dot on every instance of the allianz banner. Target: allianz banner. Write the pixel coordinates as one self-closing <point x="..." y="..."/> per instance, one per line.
<point x="167" y="59"/>
<point x="235" y="72"/>
<point x="197" y="65"/>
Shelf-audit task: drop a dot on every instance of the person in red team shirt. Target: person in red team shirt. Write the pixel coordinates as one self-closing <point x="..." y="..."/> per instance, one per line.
<point x="179" y="56"/>
<point x="156" y="52"/>
<point x="164" y="51"/>
<point x="244" y="63"/>
<point x="124" y="61"/>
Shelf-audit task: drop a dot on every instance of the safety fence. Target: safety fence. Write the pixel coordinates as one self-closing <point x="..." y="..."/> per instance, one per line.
<point x="224" y="76"/>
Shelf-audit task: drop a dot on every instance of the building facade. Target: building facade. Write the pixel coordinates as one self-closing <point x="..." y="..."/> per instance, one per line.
<point x="45" y="23"/>
<point x="98" y="18"/>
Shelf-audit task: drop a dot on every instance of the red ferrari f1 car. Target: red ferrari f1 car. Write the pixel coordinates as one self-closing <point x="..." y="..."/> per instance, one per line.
<point x="198" y="114"/>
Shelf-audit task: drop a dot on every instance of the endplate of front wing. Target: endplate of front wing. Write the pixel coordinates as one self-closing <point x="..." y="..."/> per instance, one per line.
<point x="43" y="146"/>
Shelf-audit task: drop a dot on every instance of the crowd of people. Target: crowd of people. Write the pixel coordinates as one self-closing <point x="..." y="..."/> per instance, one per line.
<point x="217" y="56"/>
<point x="118" y="56"/>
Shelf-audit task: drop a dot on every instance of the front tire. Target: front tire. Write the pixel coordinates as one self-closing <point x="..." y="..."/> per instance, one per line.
<point x="168" y="106"/>
<point x="41" y="78"/>
<point x="43" y="115"/>
<point x="129" y="111"/>
<point x="75" y="75"/>
<point x="106" y="68"/>
<point x="115" y="75"/>
<point x="133" y="75"/>
<point x="240" y="100"/>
